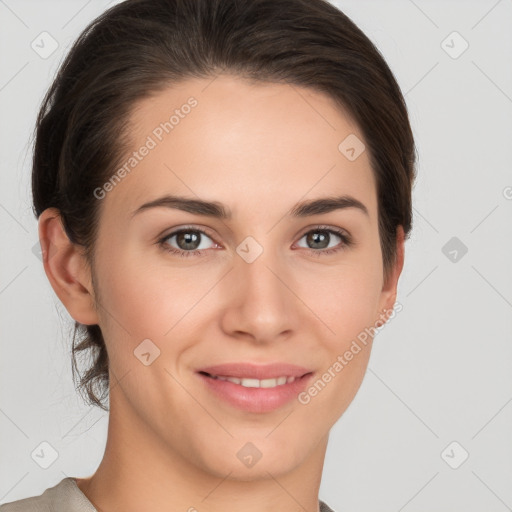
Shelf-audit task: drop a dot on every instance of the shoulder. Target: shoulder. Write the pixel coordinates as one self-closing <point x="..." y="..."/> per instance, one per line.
<point x="62" y="497"/>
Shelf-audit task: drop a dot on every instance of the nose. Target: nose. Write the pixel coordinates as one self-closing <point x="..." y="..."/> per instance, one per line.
<point x="260" y="304"/>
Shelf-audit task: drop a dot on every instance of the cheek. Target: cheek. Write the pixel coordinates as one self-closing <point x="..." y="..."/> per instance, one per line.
<point x="347" y="303"/>
<point x="130" y="297"/>
<point x="345" y="299"/>
<point x="146" y="299"/>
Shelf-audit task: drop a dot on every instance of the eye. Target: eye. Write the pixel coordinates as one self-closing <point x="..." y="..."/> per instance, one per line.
<point x="189" y="241"/>
<point x="319" y="240"/>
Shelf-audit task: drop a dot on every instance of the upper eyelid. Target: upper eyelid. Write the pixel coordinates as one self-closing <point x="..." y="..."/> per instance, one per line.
<point x="175" y="231"/>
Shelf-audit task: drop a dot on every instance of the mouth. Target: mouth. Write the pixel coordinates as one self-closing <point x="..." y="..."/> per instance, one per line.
<point x="256" y="395"/>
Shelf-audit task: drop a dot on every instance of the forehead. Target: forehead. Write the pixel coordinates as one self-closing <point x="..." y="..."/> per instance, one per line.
<point x="244" y="143"/>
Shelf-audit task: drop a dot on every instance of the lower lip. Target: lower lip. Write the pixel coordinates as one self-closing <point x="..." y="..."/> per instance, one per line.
<point x="257" y="400"/>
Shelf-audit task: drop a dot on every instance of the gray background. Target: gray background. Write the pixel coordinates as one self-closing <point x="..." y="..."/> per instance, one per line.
<point x="440" y="371"/>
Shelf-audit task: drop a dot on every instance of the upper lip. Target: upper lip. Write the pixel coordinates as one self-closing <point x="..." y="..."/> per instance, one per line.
<point x="256" y="371"/>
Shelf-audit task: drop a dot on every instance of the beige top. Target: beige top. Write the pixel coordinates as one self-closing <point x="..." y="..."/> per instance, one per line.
<point x="66" y="496"/>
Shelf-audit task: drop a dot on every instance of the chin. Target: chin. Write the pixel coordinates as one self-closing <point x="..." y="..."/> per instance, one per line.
<point x="247" y="461"/>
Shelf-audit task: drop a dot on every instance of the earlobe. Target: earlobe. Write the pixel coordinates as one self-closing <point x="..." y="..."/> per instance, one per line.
<point x="66" y="268"/>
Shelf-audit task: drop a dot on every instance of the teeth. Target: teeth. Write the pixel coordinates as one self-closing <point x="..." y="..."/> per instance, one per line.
<point x="249" y="383"/>
<point x="255" y="383"/>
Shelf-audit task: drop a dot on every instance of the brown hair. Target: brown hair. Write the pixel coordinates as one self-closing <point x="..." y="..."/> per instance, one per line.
<point x="139" y="47"/>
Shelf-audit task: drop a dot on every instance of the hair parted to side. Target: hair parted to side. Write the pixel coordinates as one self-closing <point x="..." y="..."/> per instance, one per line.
<point x="139" y="47"/>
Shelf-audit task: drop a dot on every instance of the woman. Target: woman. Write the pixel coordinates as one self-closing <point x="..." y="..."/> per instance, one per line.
<point x="223" y="191"/>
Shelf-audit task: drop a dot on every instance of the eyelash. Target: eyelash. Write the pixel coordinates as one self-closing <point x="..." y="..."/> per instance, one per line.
<point x="346" y="241"/>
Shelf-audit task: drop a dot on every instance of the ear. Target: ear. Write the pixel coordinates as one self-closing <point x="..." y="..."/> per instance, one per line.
<point x="66" y="268"/>
<point x="389" y="288"/>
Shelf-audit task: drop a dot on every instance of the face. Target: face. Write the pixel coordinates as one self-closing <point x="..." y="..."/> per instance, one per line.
<point x="180" y="290"/>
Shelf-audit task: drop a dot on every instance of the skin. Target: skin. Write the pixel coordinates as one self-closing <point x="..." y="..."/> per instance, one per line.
<point x="258" y="149"/>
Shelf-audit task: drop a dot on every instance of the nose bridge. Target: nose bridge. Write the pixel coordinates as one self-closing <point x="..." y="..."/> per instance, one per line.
<point x="257" y="267"/>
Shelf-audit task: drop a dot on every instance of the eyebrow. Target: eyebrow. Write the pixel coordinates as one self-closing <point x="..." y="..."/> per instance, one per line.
<point x="218" y="210"/>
